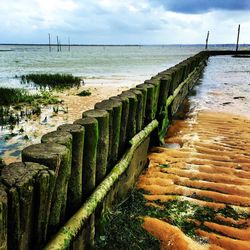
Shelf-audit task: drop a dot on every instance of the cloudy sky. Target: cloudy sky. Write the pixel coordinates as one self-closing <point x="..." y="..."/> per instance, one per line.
<point x="124" y="21"/>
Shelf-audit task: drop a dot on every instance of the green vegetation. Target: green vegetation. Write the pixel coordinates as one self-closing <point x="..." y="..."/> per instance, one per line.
<point x="18" y="103"/>
<point x="123" y="230"/>
<point x="52" y="81"/>
<point x="12" y="96"/>
<point x="84" y="93"/>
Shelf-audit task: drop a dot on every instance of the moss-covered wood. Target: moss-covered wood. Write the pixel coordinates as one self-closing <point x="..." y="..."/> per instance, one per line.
<point x="140" y="111"/>
<point x="57" y="158"/>
<point x="74" y="195"/>
<point x="102" y="117"/>
<point x="133" y="102"/>
<point x="124" y="122"/>
<point x="90" y="125"/>
<point x="25" y="210"/>
<point x="3" y="217"/>
<point x="71" y="229"/>
<point x="114" y="108"/>
<point x="63" y="138"/>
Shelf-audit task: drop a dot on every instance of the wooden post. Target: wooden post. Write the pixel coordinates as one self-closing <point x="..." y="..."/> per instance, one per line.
<point x="57" y="43"/>
<point x="133" y="102"/>
<point x="90" y="125"/>
<point x="27" y="216"/>
<point x="3" y="217"/>
<point x="69" y="43"/>
<point x="74" y="198"/>
<point x="57" y="158"/>
<point x="49" y="44"/>
<point x="124" y="122"/>
<point x="149" y="114"/>
<point x="238" y="38"/>
<point x="102" y="117"/>
<point x="65" y="139"/>
<point x="207" y="40"/>
<point x="114" y="108"/>
<point x="139" y="117"/>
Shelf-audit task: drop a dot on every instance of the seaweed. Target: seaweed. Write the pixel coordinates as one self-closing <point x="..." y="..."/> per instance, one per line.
<point x="84" y="93"/>
<point x="122" y="228"/>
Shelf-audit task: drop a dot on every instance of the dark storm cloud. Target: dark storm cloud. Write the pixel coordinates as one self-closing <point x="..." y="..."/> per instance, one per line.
<point x="202" y="6"/>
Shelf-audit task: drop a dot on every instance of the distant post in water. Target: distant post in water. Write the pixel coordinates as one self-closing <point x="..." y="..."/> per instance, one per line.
<point x="207" y="39"/>
<point x="69" y="43"/>
<point x="49" y="44"/>
<point x="57" y="43"/>
<point x="238" y="38"/>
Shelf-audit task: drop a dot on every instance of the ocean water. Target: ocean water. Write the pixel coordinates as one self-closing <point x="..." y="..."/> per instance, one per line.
<point x="224" y="86"/>
<point x="122" y="65"/>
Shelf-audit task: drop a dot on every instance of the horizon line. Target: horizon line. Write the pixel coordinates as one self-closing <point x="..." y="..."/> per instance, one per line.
<point x="172" y="44"/>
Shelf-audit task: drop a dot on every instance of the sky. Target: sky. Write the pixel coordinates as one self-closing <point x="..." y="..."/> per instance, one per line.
<point x="124" y="21"/>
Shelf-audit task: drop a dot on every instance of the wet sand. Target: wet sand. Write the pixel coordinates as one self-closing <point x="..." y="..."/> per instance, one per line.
<point x="208" y="164"/>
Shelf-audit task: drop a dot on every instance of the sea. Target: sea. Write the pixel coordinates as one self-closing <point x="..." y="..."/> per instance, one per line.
<point x="224" y="85"/>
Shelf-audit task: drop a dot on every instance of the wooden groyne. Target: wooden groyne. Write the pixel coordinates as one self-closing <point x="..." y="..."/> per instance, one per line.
<point x="55" y="197"/>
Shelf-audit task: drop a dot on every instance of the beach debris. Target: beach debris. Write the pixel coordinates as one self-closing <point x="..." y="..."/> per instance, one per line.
<point x="239" y="97"/>
<point x="226" y="103"/>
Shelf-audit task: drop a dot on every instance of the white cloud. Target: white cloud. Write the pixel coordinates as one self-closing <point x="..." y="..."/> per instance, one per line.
<point x="110" y="21"/>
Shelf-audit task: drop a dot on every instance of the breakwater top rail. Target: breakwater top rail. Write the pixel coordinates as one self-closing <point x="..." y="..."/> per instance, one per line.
<point x="79" y="171"/>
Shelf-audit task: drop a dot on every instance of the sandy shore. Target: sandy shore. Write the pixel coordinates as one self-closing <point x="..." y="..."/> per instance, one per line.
<point x="69" y="111"/>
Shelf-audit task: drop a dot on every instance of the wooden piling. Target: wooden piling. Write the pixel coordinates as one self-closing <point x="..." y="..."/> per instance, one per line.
<point x="165" y="83"/>
<point x="114" y="108"/>
<point x="63" y="138"/>
<point x="49" y="44"/>
<point x="133" y="102"/>
<point x="24" y="211"/>
<point x="124" y="122"/>
<point x="140" y="106"/>
<point x="207" y="40"/>
<point x="57" y="158"/>
<point x="3" y="217"/>
<point x="149" y="113"/>
<point x="90" y="125"/>
<point x="238" y="38"/>
<point x="102" y="117"/>
<point x="74" y="197"/>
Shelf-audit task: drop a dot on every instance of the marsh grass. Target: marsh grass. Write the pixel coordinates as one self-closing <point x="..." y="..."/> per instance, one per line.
<point x="52" y="81"/>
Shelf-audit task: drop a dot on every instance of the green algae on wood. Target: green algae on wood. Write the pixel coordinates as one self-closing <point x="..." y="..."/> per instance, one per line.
<point x="91" y="136"/>
<point x="57" y="158"/>
<point x="74" y="198"/>
<point x="102" y="117"/>
<point x="71" y="229"/>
